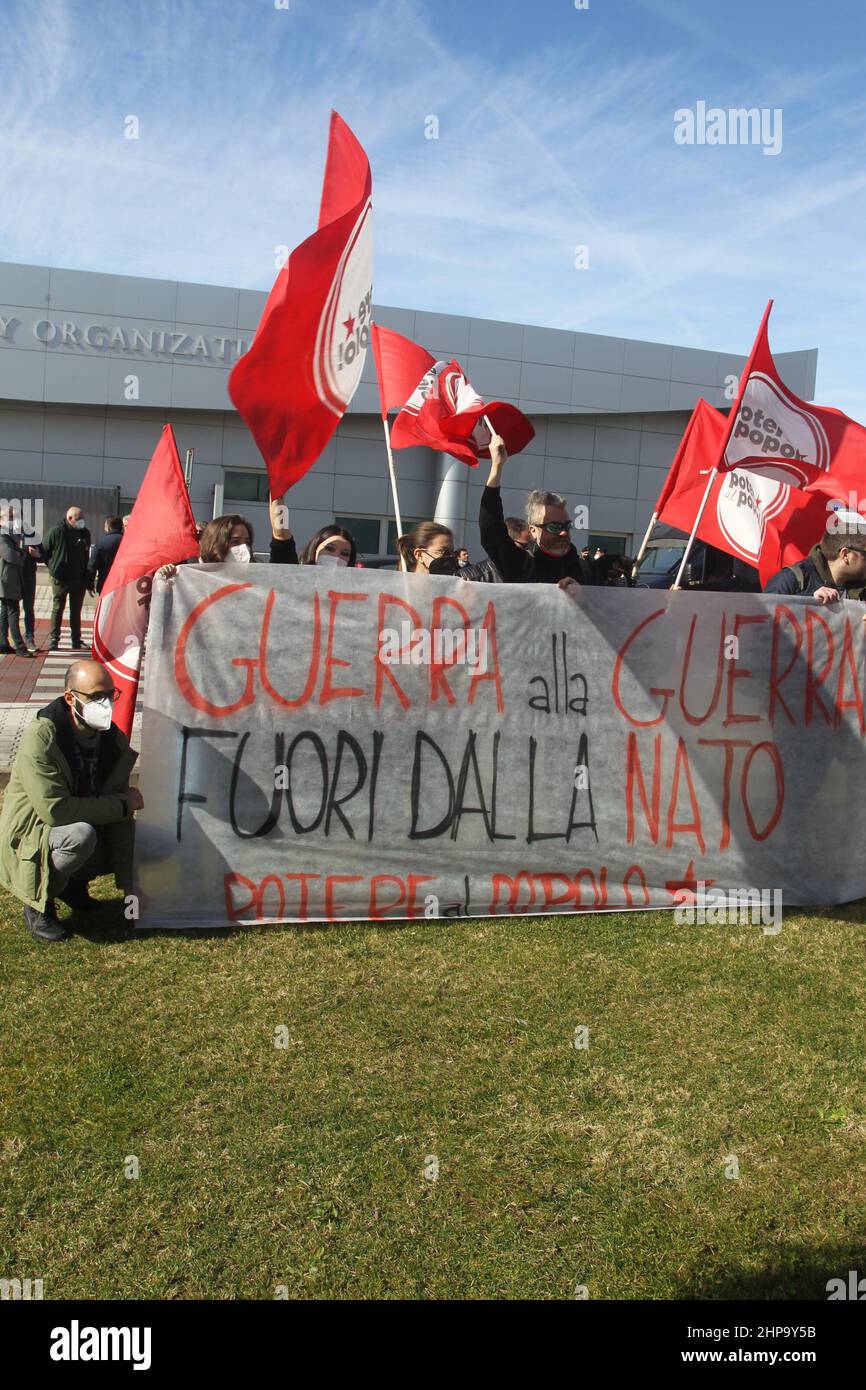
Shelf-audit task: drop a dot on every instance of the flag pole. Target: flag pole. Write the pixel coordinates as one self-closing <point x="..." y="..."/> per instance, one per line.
<point x="392" y="474"/>
<point x="732" y="417"/>
<point x="643" y="545"/>
<point x="691" y="540"/>
<point x="187" y="468"/>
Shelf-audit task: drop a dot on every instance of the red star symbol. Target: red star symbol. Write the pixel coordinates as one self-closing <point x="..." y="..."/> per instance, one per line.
<point x="349" y="325"/>
<point x="690" y="883"/>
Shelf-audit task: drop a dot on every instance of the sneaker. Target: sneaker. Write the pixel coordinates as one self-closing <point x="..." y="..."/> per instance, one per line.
<point x="76" y="896"/>
<point x="6" y="650"/>
<point x="31" y="646"/>
<point x="79" y="646"/>
<point x="54" y="646"/>
<point x="22" y="651"/>
<point x="44" y="925"/>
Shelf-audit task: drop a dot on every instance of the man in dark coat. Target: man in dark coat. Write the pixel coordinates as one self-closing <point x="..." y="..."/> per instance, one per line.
<point x="67" y="552"/>
<point x="104" y="552"/>
<point x="836" y="565"/>
<point x="550" y="557"/>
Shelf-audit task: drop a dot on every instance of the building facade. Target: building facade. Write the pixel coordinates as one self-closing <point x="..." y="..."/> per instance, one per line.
<point x="93" y="365"/>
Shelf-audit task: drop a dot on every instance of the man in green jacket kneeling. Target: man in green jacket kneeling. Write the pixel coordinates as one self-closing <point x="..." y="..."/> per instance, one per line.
<point x="68" y="811"/>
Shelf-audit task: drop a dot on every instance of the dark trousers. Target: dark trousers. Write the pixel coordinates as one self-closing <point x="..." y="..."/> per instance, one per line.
<point x="28" y="600"/>
<point x="9" y="623"/>
<point x="75" y="593"/>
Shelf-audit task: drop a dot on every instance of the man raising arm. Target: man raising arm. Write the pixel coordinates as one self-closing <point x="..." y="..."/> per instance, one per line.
<point x="550" y="557"/>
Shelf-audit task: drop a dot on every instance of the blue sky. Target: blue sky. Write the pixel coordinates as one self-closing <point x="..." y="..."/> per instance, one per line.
<point x="556" y="130"/>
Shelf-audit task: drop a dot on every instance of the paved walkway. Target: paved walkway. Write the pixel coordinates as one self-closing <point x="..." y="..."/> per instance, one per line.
<point x="28" y="683"/>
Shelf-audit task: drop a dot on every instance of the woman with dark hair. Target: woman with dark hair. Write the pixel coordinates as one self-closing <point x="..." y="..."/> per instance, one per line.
<point x="226" y="538"/>
<point x="332" y="545"/>
<point x="428" y="549"/>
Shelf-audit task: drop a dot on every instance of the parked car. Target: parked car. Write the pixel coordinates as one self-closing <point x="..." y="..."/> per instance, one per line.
<point x="707" y="567"/>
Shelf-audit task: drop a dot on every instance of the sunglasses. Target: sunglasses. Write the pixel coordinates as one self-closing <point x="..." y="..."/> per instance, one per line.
<point x="554" y="528"/>
<point x="112" y="695"/>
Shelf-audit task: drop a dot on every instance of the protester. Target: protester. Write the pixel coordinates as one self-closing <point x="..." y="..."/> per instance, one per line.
<point x="610" y="569"/>
<point x="550" y="557"/>
<point x="12" y="557"/>
<point x="223" y="540"/>
<point x="332" y="546"/>
<point x="463" y="557"/>
<point x="518" y="531"/>
<point x="428" y="548"/>
<point x="104" y="551"/>
<point x="834" y="566"/>
<point x="66" y="550"/>
<point x="67" y="813"/>
<point x="32" y="555"/>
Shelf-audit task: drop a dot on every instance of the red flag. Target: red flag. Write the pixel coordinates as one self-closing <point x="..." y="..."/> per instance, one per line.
<point x="160" y="531"/>
<point x="812" y="510"/>
<point x="755" y="517"/>
<point x="400" y="365"/>
<point x="293" y="385"/>
<point x="780" y="436"/>
<point x="445" y="412"/>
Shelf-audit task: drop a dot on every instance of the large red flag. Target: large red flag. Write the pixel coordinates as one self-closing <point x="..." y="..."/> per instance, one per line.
<point x="780" y="436"/>
<point x="755" y="517"/>
<point x="445" y="412"/>
<point x="160" y="531"/>
<point x="293" y="385"/>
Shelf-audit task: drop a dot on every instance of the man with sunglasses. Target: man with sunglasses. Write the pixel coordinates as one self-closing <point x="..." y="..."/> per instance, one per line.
<point x="836" y="565"/>
<point x="550" y="557"/>
<point x="68" y="810"/>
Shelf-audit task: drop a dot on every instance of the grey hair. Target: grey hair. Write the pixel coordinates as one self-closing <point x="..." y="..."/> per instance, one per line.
<point x="537" y="499"/>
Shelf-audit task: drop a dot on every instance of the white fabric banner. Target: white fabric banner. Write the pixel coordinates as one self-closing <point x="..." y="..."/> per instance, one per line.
<point x="325" y="745"/>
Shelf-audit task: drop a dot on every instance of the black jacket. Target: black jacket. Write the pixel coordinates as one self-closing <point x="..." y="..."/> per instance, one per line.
<point x="103" y="558"/>
<point x="67" y="552"/>
<point x="809" y="575"/>
<point x="530" y="566"/>
<point x="283" y="552"/>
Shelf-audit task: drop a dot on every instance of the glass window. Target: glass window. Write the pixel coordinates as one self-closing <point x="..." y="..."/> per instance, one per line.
<point x="408" y="523"/>
<point x="245" y="487"/>
<point x="612" y="545"/>
<point x="365" y="530"/>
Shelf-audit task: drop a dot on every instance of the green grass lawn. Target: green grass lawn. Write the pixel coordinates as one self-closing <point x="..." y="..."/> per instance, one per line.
<point x="557" y="1167"/>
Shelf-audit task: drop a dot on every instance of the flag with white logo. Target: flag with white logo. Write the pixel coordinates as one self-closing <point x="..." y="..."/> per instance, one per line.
<point x="294" y="384"/>
<point x="781" y="437"/>
<point x="445" y="412"/>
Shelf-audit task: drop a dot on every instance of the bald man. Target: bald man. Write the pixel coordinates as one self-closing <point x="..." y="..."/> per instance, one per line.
<point x="68" y="811"/>
<point x="66" y="551"/>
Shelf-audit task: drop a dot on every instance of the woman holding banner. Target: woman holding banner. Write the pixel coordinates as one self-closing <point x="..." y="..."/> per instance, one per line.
<point x="331" y="546"/>
<point x="223" y="539"/>
<point x="428" y="548"/>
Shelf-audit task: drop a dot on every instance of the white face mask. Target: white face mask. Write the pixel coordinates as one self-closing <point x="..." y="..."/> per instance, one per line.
<point x="79" y="524"/>
<point x="335" y="561"/>
<point x="96" y="713"/>
<point x="241" y="553"/>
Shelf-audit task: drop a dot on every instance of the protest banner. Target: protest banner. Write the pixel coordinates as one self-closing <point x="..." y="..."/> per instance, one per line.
<point x="395" y="745"/>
